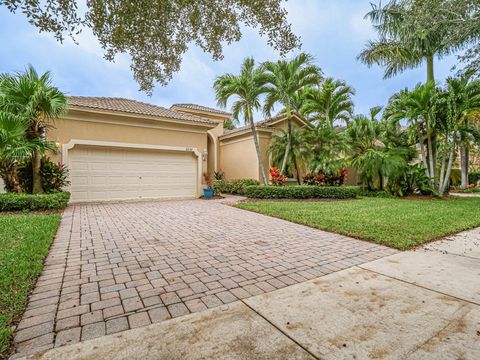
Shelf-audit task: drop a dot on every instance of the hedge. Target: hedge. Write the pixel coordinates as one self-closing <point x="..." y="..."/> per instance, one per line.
<point x="236" y="186"/>
<point x="474" y="177"/>
<point x="26" y="202"/>
<point x="302" y="192"/>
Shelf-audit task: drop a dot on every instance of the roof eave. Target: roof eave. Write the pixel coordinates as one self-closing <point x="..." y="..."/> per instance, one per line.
<point x="206" y="124"/>
<point x="245" y="131"/>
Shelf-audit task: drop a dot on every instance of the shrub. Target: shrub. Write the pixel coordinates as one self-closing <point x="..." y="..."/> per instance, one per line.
<point x="412" y="180"/>
<point x="474" y="177"/>
<point x="277" y="178"/>
<point x="25" y="202"/>
<point x="302" y="192"/>
<point x="336" y="178"/>
<point x="236" y="186"/>
<point x="54" y="176"/>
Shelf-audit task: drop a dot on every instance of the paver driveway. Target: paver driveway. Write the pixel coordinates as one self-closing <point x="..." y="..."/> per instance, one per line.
<point x="118" y="266"/>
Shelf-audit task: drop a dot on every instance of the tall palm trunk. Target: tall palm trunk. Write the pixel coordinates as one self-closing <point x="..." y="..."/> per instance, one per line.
<point x="289" y="139"/>
<point x="37" y="187"/>
<point x="430" y="69"/>
<point x="464" y="154"/>
<point x="431" y="160"/>
<point x="297" y="170"/>
<point x="432" y="140"/>
<point x="257" y="148"/>
<point x="446" y="177"/>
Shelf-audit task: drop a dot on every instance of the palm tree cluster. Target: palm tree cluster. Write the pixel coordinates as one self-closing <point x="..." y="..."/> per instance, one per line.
<point x="412" y="145"/>
<point x="295" y="85"/>
<point x="28" y="104"/>
<point x="443" y="122"/>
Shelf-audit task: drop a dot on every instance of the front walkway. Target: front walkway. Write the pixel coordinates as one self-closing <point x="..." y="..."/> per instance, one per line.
<point x="422" y="304"/>
<point x="115" y="267"/>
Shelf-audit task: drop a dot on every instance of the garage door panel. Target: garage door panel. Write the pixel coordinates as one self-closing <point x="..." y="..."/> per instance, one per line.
<point x="99" y="174"/>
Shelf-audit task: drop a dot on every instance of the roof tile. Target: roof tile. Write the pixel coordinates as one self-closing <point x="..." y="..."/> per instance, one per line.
<point x="133" y="107"/>
<point x="200" y="108"/>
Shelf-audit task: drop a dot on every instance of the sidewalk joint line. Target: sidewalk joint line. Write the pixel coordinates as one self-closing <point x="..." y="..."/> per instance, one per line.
<point x="281" y="331"/>
<point x="420" y="286"/>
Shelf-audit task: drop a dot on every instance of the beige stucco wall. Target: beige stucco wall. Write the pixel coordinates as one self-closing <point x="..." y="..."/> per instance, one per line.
<point x="239" y="157"/>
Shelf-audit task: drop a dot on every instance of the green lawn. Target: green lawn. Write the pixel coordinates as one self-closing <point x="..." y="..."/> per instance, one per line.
<point x="399" y="223"/>
<point x="24" y="242"/>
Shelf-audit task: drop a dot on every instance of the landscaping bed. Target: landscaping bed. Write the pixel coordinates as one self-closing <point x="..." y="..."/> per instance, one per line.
<point x="396" y="223"/>
<point x="24" y="243"/>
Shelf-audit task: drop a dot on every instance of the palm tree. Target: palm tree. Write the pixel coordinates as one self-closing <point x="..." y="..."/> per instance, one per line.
<point x="246" y="88"/>
<point x="417" y="107"/>
<point x="323" y="148"/>
<point x="330" y="103"/>
<point x="33" y="96"/>
<point x="295" y="156"/>
<point x="16" y="149"/>
<point x="284" y="80"/>
<point x="460" y="101"/>
<point x="404" y="42"/>
<point x="467" y="93"/>
<point x="374" y="155"/>
<point x="12" y="134"/>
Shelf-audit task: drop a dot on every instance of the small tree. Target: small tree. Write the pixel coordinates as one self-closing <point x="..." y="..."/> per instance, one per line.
<point x="33" y="97"/>
<point x="12" y="150"/>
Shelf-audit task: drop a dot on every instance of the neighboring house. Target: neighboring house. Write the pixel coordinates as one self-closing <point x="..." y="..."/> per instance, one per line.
<point x="121" y="149"/>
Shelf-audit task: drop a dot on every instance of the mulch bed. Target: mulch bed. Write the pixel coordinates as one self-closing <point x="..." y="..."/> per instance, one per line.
<point x="424" y="197"/>
<point x="214" y="197"/>
<point x="293" y="200"/>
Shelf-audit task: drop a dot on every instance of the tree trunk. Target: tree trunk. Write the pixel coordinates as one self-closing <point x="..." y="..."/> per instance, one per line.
<point x="442" y="168"/>
<point x="446" y="179"/>
<point x="430" y="69"/>
<point x="297" y="170"/>
<point x="36" y="176"/>
<point x="430" y="161"/>
<point x="464" y="165"/>
<point x="257" y="149"/>
<point x="289" y="141"/>
<point x="9" y="175"/>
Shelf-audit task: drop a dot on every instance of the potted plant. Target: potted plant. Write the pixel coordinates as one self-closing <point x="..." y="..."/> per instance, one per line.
<point x="208" y="191"/>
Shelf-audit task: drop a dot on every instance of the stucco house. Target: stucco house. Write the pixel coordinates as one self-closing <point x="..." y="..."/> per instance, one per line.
<point x="121" y="149"/>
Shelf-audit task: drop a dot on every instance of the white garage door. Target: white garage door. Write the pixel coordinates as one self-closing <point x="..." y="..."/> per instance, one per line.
<point x="104" y="173"/>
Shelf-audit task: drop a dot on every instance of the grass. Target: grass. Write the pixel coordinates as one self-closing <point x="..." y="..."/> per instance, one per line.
<point x="24" y="243"/>
<point x="398" y="223"/>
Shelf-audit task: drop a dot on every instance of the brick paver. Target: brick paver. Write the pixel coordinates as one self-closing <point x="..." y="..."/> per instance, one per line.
<point x="117" y="266"/>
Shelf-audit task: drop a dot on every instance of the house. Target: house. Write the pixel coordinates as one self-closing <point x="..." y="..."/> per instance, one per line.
<point x="121" y="149"/>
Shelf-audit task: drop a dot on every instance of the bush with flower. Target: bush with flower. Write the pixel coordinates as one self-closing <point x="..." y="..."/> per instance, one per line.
<point x="276" y="177"/>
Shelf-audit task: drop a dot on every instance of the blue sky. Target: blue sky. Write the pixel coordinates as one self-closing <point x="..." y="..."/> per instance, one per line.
<point x="333" y="31"/>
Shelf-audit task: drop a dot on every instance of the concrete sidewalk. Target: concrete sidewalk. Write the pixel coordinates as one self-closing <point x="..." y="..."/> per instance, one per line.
<point x="422" y="304"/>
